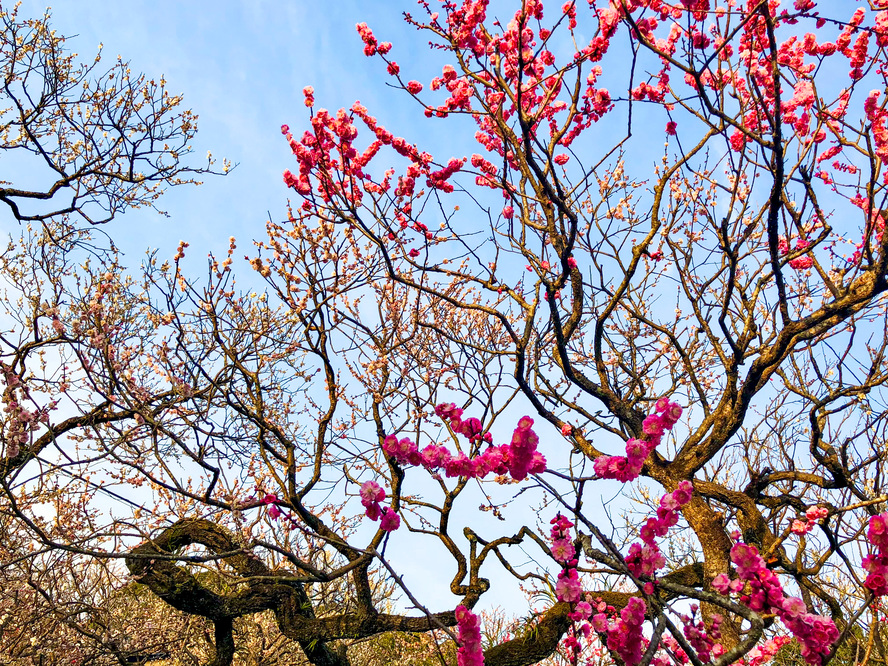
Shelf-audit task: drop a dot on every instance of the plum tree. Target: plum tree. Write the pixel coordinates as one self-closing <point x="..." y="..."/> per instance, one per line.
<point x="702" y="323"/>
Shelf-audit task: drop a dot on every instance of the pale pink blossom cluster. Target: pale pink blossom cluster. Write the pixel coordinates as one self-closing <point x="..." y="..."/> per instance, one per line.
<point x="762" y="654"/>
<point x="812" y="516"/>
<point x="20" y="422"/>
<point x="876" y="564"/>
<point x="645" y="559"/>
<point x="518" y="458"/>
<point x="627" y="468"/>
<point x="763" y="593"/>
<point x="468" y="628"/>
<point x="371" y="495"/>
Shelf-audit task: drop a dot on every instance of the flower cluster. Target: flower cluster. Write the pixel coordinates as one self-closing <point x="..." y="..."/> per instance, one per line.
<point x="703" y="640"/>
<point x="627" y="468"/>
<point x="518" y="458"/>
<point x="19" y="422"/>
<point x="370" y="43"/>
<point x="624" y="634"/>
<point x="644" y="559"/>
<point x="273" y="509"/>
<point x="568" y="588"/>
<point x="674" y="654"/>
<point x="799" y="263"/>
<point x="763" y="593"/>
<point x="809" y="520"/>
<point x="468" y="628"/>
<point x="562" y="548"/>
<point x="271" y="501"/>
<point x="371" y="495"/>
<point x="877" y="115"/>
<point x="877" y="565"/>
<point x="470" y="428"/>
<point x="762" y="654"/>
<point x="330" y="165"/>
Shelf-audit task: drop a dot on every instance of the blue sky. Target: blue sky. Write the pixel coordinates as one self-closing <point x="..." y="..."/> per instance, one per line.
<point x="241" y="67"/>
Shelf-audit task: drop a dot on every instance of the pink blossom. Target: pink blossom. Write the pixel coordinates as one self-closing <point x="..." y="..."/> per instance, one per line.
<point x="468" y="628"/>
<point x="793" y="606"/>
<point x="370" y="42"/>
<point x="683" y="493"/>
<point x="671" y="415"/>
<point x="653" y="425"/>
<point x="800" y="527"/>
<point x="737" y="141"/>
<point x="434" y="457"/>
<point x="669" y="503"/>
<point x="390" y="520"/>
<point x="628" y="468"/>
<point x="568" y="586"/>
<point x="371" y="492"/>
<point x="624" y="636"/>
<point x="524" y="441"/>
<point x="878" y="531"/>
<point x="372" y="510"/>
<point x="721" y="584"/>
<point x="763" y="592"/>
<point x="746" y="559"/>
<point x="644" y="560"/>
<point x="537" y="463"/>
<point x="636" y="449"/>
<point x="563" y="550"/>
<point x="519" y="458"/>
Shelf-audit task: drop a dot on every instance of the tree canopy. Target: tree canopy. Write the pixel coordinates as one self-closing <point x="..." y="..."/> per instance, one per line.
<point x="644" y="379"/>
